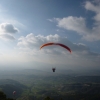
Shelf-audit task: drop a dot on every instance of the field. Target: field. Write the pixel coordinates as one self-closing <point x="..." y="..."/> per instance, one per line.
<point x="36" y="85"/>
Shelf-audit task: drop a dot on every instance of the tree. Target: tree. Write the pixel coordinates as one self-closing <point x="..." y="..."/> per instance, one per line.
<point x="48" y="98"/>
<point x="4" y="97"/>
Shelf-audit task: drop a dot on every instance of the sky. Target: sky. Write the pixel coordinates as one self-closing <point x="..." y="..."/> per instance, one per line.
<point x="27" y="24"/>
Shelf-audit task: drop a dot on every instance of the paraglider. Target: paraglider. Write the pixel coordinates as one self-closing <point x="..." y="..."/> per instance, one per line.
<point x="59" y="44"/>
<point x="14" y="93"/>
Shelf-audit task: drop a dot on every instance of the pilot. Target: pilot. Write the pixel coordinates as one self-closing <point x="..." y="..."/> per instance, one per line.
<point x="53" y="69"/>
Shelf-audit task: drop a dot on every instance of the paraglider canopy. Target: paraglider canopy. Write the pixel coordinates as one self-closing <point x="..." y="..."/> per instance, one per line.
<point x="59" y="44"/>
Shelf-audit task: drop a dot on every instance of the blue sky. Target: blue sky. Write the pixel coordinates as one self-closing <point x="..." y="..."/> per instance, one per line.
<point x="26" y="24"/>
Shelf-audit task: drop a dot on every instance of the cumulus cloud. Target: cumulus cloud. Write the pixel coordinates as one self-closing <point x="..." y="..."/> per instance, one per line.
<point x="81" y="53"/>
<point x="73" y="23"/>
<point x="35" y="41"/>
<point x="7" y="31"/>
<point x="8" y="28"/>
<point x="95" y="8"/>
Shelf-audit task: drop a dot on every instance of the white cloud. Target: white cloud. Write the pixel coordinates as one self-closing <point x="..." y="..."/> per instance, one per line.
<point x="95" y="8"/>
<point x="73" y="23"/>
<point x="28" y="51"/>
<point x="35" y="41"/>
<point x="50" y="20"/>
<point x="8" y="28"/>
<point x="92" y="7"/>
<point x="81" y="53"/>
<point x="7" y="31"/>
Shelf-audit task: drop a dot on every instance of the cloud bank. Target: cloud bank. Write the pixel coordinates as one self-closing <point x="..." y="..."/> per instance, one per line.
<point x="81" y="54"/>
